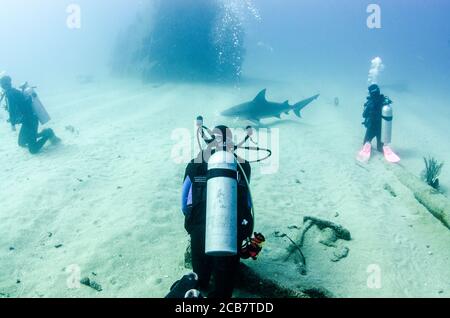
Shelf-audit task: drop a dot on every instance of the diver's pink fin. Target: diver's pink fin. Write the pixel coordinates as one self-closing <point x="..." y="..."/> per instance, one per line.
<point x="364" y="154"/>
<point x="390" y="155"/>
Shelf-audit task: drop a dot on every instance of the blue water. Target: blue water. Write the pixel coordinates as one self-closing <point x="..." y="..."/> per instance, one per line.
<point x="325" y="39"/>
<point x="330" y="40"/>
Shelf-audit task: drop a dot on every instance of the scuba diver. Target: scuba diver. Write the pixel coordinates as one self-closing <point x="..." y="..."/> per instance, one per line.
<point x="218" y="210"/>
<point x="25" y="109"/>
<point x="378" y="118"/>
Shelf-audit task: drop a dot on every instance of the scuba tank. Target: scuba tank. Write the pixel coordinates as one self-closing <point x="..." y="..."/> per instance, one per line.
<point x="38" y="109"/>
<point x="386" y="126"/>
<point x="222" y="196"/>
<point x="221" y="205"/>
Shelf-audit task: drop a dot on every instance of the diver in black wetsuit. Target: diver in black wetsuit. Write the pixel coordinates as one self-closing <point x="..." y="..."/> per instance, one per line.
<point x="223" y="269"/>
<point x="21" y="112"/>
<point x="372" y="115"/>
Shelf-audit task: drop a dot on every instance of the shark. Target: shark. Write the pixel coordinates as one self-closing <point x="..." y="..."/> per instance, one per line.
<point x="259" y="108"/>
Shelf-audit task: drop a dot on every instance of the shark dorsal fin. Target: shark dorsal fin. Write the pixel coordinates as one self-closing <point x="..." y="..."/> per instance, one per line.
<point x="286" y="102"/>
<point x="261" y="96"/>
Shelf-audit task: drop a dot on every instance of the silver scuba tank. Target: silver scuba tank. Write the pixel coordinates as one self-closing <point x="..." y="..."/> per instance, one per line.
<point x="221" y="205"/>
<point x="38" y="109"/>
<point x="386" y="127"/>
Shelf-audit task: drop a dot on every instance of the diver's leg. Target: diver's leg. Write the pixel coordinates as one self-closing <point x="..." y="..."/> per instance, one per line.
<point x="41" y="138"/>
<point x="48" y="132"/>
<point x="23" y="136"/>
<point x="28" y="132"/>
<point x="43" y="133"/>
<point x="37" y="140"/>
<point x="50" y="135"/>
<point x="369" y="136"/>
<point x="201" y="263"/>
<point x="225" y="273"/>
<point x="35" y="146"/>
<point x="380" y="144"/>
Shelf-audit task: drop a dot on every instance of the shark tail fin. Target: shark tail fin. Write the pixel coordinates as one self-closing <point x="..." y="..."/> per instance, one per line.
<point x="300" y="105"/>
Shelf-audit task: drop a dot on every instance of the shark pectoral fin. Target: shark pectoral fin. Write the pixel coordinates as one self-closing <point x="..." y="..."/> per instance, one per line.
<point x="297" y="112"/>
<point x="261" y="97"/>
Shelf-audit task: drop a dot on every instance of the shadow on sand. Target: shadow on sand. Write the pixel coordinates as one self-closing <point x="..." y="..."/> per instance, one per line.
<point x="281" y="123"/>
<point x="408" y="153"/>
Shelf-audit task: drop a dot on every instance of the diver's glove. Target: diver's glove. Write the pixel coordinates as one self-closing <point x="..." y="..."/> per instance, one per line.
<point x="193" y="293"/>
<point x="252" y="247"/>
<point x="186" y="287"/>
<point x="365" y="123"/>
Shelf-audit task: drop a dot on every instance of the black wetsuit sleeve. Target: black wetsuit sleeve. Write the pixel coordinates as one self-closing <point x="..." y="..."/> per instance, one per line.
<point x="13" y="102"/>
<point x="189" y="171"/>
<point x="366" y="112"/>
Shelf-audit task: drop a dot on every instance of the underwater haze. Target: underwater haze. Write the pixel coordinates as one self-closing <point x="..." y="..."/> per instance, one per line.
<point x="39" y="42"/>
<point x="123" y="81"/>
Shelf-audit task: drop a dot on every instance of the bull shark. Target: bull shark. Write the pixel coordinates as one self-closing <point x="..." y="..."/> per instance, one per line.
<point x="259" y="108"/>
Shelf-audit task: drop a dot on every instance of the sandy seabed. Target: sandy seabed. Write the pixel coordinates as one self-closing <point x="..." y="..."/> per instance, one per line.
<point x="106" y="203"/>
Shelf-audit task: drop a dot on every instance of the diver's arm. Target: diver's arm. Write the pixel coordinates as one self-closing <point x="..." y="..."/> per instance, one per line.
<point x="1" y="100"/>
<point x="186" y="195"/>
<point x="9" y="120"/>
<point x="366" y="111"/>
<point x="14" y="101"/>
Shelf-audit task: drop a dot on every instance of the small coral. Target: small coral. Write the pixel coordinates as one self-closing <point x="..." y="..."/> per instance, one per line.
<point x="432" y="171"/>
